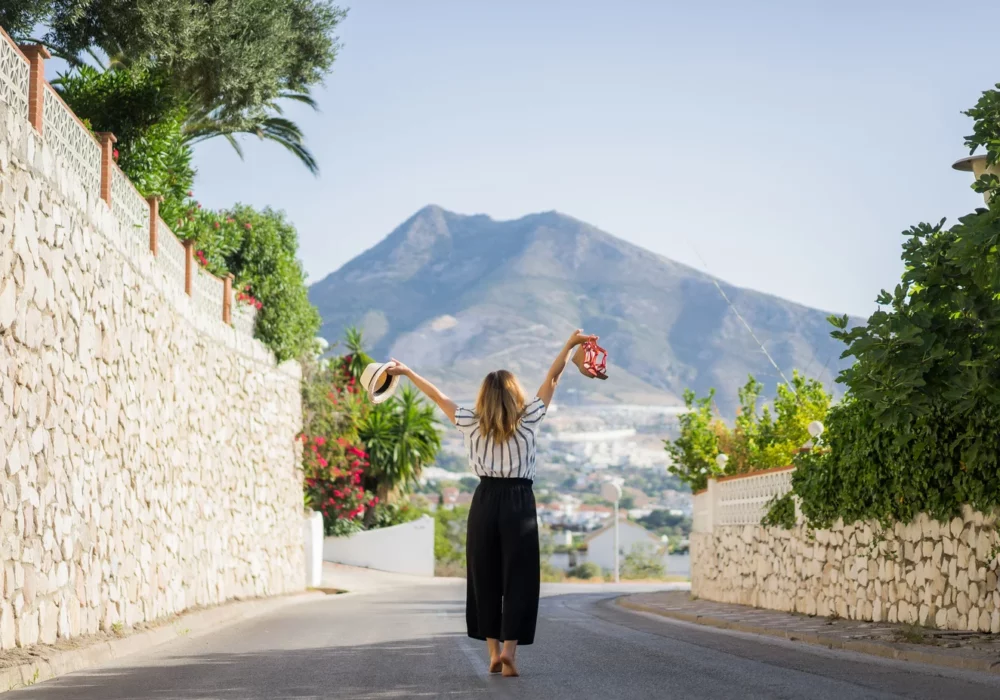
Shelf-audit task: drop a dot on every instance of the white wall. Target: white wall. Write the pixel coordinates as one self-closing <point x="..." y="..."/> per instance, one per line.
<point x="601" y="549"/>
<point x="404" y="549"/>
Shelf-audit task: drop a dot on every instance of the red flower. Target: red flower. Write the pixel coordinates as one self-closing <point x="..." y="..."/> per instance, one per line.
<point x="320" y="441"/>
<point x="216" y="224"/>
<point x="248" y="226"/>
<point x="114" y="153"/>
<point x="322" y="462"/>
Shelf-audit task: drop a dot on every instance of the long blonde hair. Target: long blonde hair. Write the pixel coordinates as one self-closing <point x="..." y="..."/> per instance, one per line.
<point x="499" y="405"/>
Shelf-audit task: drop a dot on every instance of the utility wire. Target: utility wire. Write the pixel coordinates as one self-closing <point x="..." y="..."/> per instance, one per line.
<point x="740" y="317"/>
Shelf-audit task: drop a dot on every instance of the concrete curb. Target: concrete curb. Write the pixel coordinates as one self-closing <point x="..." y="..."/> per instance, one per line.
<point x="882" y="649"/>
<point x="190" y="625"/>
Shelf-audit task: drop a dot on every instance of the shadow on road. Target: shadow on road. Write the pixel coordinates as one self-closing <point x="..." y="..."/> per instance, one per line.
<point x="428" y="667"/>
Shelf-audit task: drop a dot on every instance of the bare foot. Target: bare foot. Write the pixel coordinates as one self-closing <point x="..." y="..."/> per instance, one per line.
<point x="509" y="669"/>
<point x="496" y="665"/>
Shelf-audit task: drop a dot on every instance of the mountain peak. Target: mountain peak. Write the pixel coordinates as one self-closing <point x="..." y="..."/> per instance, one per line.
<point x="511" y="290"/>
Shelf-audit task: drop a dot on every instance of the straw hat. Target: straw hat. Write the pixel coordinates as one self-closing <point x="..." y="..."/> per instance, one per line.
<point x="379" y="384"/>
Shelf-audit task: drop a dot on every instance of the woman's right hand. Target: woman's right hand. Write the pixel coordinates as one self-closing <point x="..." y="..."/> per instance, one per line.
<point x="579" y="338"/>
<point x="397" y="368"/>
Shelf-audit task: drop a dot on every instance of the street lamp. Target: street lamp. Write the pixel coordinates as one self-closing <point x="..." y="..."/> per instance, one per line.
<point x="611" y="490"/>
<point x="978" y="166"/>
<point x="815" y="430"/>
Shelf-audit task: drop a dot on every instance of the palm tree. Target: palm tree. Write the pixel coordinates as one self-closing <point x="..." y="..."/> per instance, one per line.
<point x="266" y="124"/>
<point x="355" y="343"/>
<point x="401" y="437"/>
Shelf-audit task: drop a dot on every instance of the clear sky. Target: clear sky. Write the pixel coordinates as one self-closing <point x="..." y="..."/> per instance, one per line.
<point x="791" y="142"/>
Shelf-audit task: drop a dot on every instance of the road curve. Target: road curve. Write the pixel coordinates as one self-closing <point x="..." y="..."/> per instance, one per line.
<point x="410" y="643"/>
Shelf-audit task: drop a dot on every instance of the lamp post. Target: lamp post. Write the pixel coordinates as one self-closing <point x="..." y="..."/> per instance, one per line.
<point x="612" y="491"/>
<point x="978" y="166"/>
<point x="720" y="461"/>
<point x="815" y="430"/>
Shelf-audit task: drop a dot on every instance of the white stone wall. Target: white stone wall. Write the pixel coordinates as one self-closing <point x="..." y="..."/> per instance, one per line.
<point x="925" y="572"/>
<point x="148" y="460"/>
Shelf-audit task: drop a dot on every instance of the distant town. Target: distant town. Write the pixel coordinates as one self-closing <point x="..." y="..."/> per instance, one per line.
<point x="587" y="446"/>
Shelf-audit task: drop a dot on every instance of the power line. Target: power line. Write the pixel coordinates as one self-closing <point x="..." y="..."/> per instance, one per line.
<point x="740" y="317"/>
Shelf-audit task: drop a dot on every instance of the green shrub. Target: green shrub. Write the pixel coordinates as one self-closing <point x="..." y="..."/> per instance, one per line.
<point x="918" y="430"/>
<point x="762" y="437"/>
<point x="264" y="257"/>
<point x="780" y="512"/>
<point x="391" y="514"/>
<point x="644" y="561"/>
<point x="449" y="539"/>
<point x="586" y="571"/>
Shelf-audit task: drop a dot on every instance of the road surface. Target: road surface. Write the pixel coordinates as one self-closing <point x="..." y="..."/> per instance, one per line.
<point x="409" y="642"/>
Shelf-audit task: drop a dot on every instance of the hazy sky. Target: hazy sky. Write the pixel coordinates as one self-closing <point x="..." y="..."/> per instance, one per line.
<point x="791" y="142"/>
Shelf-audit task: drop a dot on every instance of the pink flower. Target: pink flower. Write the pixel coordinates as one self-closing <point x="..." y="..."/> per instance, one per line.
<point x="248" y="226"/>
<point x="216" y="224"/>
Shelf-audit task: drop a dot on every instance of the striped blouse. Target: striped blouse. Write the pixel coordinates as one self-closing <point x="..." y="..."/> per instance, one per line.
<point x="513" y="459"/>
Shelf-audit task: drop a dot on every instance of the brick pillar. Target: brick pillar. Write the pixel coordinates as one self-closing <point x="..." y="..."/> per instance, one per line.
<point x="36" y="54"/>
<point x="154" y="219"/>
<point x="108" y="141"/>
<point x="227" y="299"/>
<point x="189" y="270"/>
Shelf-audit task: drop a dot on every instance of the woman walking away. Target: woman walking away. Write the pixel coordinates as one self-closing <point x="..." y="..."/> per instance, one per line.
<point x="502" y="543"/>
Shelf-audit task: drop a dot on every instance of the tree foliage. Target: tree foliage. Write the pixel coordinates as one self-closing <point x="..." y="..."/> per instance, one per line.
<point x="762" y="437"/>
<point x="918" y="430"/>
<point x="402" y="437"/>
<point x="228" y="65"/>
<point x="229" y="56"/>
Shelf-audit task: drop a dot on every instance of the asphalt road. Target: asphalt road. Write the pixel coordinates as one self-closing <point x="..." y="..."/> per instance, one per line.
<point x="410" y="643"/>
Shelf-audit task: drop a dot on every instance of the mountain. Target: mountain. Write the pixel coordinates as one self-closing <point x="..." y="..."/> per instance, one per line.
<point x="456" y="296"/>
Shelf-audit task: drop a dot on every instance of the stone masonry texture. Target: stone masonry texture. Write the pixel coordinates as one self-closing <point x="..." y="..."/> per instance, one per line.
<point x="148" y="460"/>
<point x="927" y="572"/>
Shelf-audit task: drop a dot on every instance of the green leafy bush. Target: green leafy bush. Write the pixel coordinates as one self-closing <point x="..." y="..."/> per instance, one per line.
<point x="449" y="541"/>
<point x="264" y="257"/>
<point x="643" y="561"/>
<point x="585" y="571"/>
<point x="919" y="429"/>
<point x="762" y="437"/>
<point x="147" y="119"/>
<point x="780" y="512"/>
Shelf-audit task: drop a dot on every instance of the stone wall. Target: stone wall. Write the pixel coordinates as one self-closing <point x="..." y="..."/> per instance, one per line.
<point x="926" y="572"/>
<point x="148" y="460"/>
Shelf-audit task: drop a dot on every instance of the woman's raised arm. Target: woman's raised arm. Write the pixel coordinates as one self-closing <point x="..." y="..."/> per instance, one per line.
<point x="548" y="387"/>
<point x="429" y="390"/>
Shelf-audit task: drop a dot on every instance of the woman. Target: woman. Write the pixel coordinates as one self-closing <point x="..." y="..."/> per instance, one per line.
<point x="502" y="543"/>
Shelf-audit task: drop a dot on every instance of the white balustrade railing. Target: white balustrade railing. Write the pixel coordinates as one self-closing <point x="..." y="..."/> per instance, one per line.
<point x="739" y="500"/>
<point x="207" y="293"/>
<point x="170" y="256"/>
<point x="72" y="142"/>
<point x="14" y="74"/>
<point x="132" y="212"/>
<point x="244" y="317"/>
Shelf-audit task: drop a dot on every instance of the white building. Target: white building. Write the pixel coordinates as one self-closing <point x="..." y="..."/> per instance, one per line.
<point x="601" y="544"/>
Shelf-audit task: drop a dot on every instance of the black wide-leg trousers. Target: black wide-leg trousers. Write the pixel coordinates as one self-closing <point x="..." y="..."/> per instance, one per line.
<point x="502" y="561"/>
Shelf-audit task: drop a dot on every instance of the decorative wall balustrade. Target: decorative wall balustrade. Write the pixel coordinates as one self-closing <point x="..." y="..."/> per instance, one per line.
<point x="739" y="500"/>
<point x="72" y="142"/>
<point x="14" y="73"/>
<point x="82" y="156"/>
<point x="244" y="318"/>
